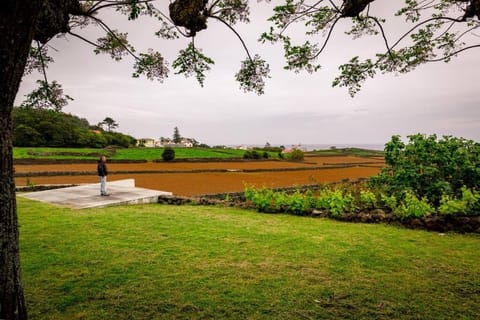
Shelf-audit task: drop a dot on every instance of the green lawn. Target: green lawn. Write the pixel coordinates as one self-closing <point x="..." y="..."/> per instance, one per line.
<point x="350" y="152"/>
<point x="128" y="154"/>
<point x="194" y="262"/>
<point x="23" y="153"/>
<point x="180" y="153"/>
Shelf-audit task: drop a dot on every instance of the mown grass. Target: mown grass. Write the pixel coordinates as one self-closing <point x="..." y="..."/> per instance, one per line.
<point x="127" y="154"/>
<point x="180" y="153"/>
<point x="350" y="152"/>
<point x="23" y="153"/>
<point x="194" y="262"/>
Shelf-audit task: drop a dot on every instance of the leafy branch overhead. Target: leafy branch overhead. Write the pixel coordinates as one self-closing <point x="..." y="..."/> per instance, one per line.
<point x="185" y="18"/>
<point x="435" y="30"/>
<point x="191" y="61"/>
<point x="48" y="95"/>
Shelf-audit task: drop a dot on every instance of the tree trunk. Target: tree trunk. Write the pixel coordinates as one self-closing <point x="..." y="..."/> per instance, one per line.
<point x="17" y="25"/>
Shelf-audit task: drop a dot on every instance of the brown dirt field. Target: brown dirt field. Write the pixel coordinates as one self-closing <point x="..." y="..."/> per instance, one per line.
<point x="327" y="160"/>
<point x="189" y="184"/>
<point x="176" y="166"/>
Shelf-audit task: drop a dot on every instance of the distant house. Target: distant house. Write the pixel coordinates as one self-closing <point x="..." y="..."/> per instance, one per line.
<point x="187" y="143"/>
<point x="146" y="142"/>
<point x="184" y="143"/>
<point x="293" y="148"/>
<point x="166" y="142"/>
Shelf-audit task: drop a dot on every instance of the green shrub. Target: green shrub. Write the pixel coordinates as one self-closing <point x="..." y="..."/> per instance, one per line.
<point x="168" y="154"/>
<point x="368" y="200"/>
<point x="430" y="167"/>
<point x="465" y="205"/>
<point x="334" y="201"/>
<point x="254" y="154"/>
<point x="389" y="202"/>
<point x="297" y="203"/>
<point x="261" y="198"/>
<point x="297" y="155"/>
<point x="411" y="206"/>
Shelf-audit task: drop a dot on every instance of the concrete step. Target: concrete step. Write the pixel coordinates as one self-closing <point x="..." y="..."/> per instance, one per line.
<point x="122" y="192"/>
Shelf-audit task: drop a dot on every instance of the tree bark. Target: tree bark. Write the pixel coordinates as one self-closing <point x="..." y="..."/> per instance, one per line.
<point x="17" y="26"/>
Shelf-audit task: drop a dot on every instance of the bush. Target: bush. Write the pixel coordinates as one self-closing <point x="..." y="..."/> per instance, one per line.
<point x="465" y="205"/>
<point x="411" y="206"/>
<point x="336" y="202"/>
<point x="430" y="167"/>
<point x="368" y="200"/>
<point x="168" y="154"/>
<point x="389" y="202"/>
<point x="261" y="198"/>
<point x="297" y="155"/>
<point x="252" y="155"/>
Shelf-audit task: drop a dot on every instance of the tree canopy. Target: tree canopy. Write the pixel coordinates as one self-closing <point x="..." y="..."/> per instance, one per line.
<point x="432" y="31"/>
<point x="34" y="127"/>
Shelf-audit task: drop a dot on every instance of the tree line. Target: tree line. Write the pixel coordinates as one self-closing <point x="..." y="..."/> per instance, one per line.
<point x="34" y="127"/>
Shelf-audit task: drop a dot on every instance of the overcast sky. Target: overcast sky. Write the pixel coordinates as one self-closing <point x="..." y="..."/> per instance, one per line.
<point x="296" y="108"/>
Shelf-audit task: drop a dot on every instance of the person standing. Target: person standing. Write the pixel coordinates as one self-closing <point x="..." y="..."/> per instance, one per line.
<point x="102" y="173"/>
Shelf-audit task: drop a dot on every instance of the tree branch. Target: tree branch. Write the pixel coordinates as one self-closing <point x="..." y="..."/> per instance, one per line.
<point x="110" y="31"/>
<point x="383" y="34"/>
<point x="95" y="8"/>
<point x="42" y="62"/>
<point x="453" y="54"/>
<point x="327" y="39"/>
<point x="84" y="39"/>
<point x="236" y="33"/>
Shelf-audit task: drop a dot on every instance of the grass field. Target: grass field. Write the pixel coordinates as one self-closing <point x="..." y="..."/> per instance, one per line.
<point x="126" y="154"/>
<point x="193" y="262"/>
<point x="156" y="153"/>
<point x="349" y="151"/>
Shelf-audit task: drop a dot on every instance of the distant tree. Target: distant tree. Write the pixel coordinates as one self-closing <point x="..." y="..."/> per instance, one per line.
<point x="267" y="145"/>
<point x="27" y="136"/>
<point x="177" y="138"/>
<point x="168" y="154"/>
<point x="297" y="155"/>
<point x="109" y="123"/>
<point x="42" y="127"/>
<point x="194" y="142"/>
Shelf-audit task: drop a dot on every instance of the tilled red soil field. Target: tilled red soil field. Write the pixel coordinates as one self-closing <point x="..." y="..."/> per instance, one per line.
<point x="184" y="166"/>
<point x="313" y="170"/>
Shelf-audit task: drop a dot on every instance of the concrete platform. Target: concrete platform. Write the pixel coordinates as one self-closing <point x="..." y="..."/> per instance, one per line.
<point x="88" y="196"/>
